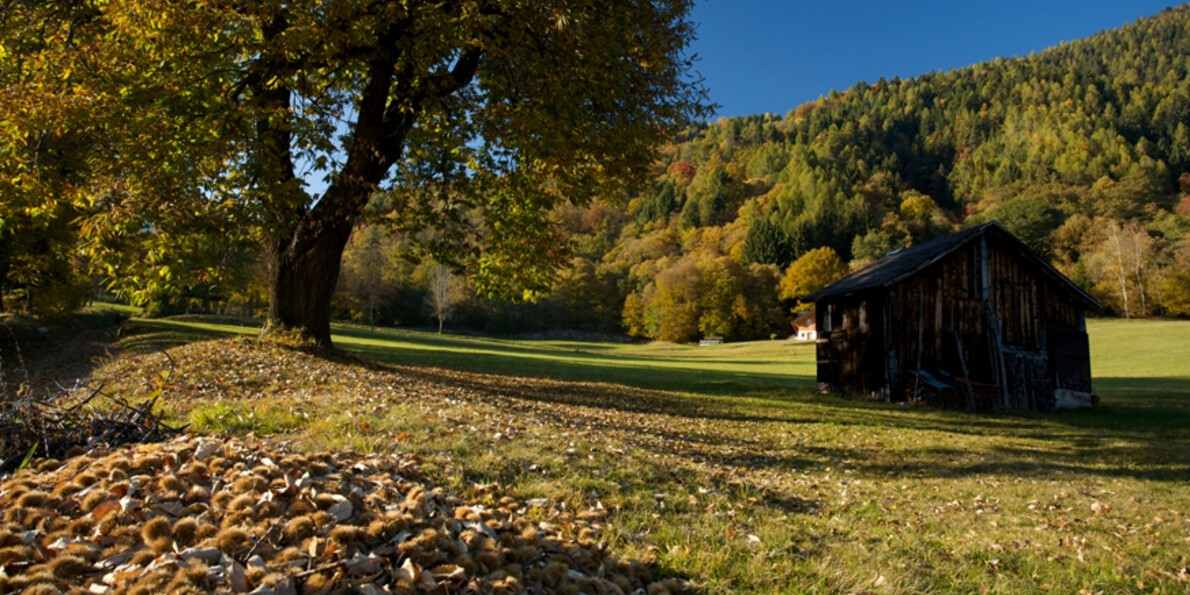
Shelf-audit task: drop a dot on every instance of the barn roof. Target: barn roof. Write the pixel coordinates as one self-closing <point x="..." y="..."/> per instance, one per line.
<point x="901" y="264"/>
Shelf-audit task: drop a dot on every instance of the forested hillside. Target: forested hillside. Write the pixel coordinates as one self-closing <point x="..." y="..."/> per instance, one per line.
<point x="1081" y="150"/>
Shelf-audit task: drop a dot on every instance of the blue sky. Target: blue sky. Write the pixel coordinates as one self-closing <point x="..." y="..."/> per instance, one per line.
<point x="770" y="55"/>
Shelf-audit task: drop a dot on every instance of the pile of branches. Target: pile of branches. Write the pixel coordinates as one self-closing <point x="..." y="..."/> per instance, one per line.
<point x="59" y="425"/>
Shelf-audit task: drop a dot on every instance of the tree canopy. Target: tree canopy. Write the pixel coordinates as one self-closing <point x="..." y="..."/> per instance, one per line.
<point x="813" y="271"/>
<point x="279" y="121"/>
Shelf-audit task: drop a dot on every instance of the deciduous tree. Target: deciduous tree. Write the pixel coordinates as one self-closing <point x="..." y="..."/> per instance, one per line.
<point x="482" y="114"/>
<point x="446" y="291"/>
<point x="813" y="271"/>
<point x="1175" y="294"/>
<point x="1121" y="264"/>
<point x="368" y="276"/>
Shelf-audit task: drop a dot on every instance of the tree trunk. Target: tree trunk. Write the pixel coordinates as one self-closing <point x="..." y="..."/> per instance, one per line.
<point x="1137" y="267"/>
<point x="302" y="277"/>
<point x="1122" y="274"/>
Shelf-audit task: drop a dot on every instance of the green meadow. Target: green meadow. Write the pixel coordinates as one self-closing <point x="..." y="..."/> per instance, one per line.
<point x="760" y="367"/>
<point x="1136" y="363"/>
<point x="720" y="464"/>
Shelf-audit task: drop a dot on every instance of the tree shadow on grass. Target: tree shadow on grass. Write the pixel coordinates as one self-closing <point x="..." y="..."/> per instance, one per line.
<point x="593" y="392"/>
<point x="46" y="360"/>
<point x="149" y="335"/>
<point x="598" y="350"/>
<point x="1128" y="404"/>
<point x="1133" y="434"/>
<point x="1132" y="407"/>
<point x="1138" y="461"/>
<point x="637" y="373"/>
<point x="637" y="416"/>
<point x="1129" y="435"/>
<point x="1141" y="430"/>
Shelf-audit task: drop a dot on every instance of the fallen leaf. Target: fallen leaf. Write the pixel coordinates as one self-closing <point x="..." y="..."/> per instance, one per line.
<point x="407" y="572"/>
<point x="426" y="582"/>
<point x="104" y="508"/>
<point x="205" y="450"/>
<point x="115" y="561"/>
<point x="206" y="555"/>
<point x="173" y="509"/>
<point x="341" y="510"/>
<point x="449" y="572"/>
<point x="235" y="575"/>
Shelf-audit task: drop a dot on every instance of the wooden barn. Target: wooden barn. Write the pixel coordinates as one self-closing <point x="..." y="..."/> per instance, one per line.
<point x="974" y="320"/>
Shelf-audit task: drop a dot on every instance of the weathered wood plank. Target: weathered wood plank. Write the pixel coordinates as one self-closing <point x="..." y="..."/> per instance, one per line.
<point x="999" y="306"/>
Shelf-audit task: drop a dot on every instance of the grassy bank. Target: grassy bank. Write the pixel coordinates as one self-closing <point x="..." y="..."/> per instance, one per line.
<point x="721" y="466"/>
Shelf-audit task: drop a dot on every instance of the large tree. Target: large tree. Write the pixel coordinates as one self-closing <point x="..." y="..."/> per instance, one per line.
<point x="280" y="120"/>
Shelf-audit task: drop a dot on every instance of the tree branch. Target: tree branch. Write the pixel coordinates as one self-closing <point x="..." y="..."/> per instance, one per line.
<point x="460" y="76"/>
<point x="401" y="115"/>
<point x="367" y="157"/>
<point x="384" y="121"/>
<point x="275" y="136"/>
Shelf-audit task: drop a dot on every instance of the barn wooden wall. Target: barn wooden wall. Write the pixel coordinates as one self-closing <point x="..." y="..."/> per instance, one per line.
<point x="942" y="310"/>
<point x="1004" y="324"/>
<point x="851" y="354"/>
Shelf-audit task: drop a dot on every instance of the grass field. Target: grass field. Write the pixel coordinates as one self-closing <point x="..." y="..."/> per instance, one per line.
<point x="721" y="466"/>
<point x="731" y="369"/>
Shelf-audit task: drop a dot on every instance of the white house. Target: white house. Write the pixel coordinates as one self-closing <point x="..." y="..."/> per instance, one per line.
<point x="805" y="326"/>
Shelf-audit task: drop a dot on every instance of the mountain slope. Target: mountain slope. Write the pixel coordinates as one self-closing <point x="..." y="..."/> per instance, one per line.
<point x="1060" y="146"/>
